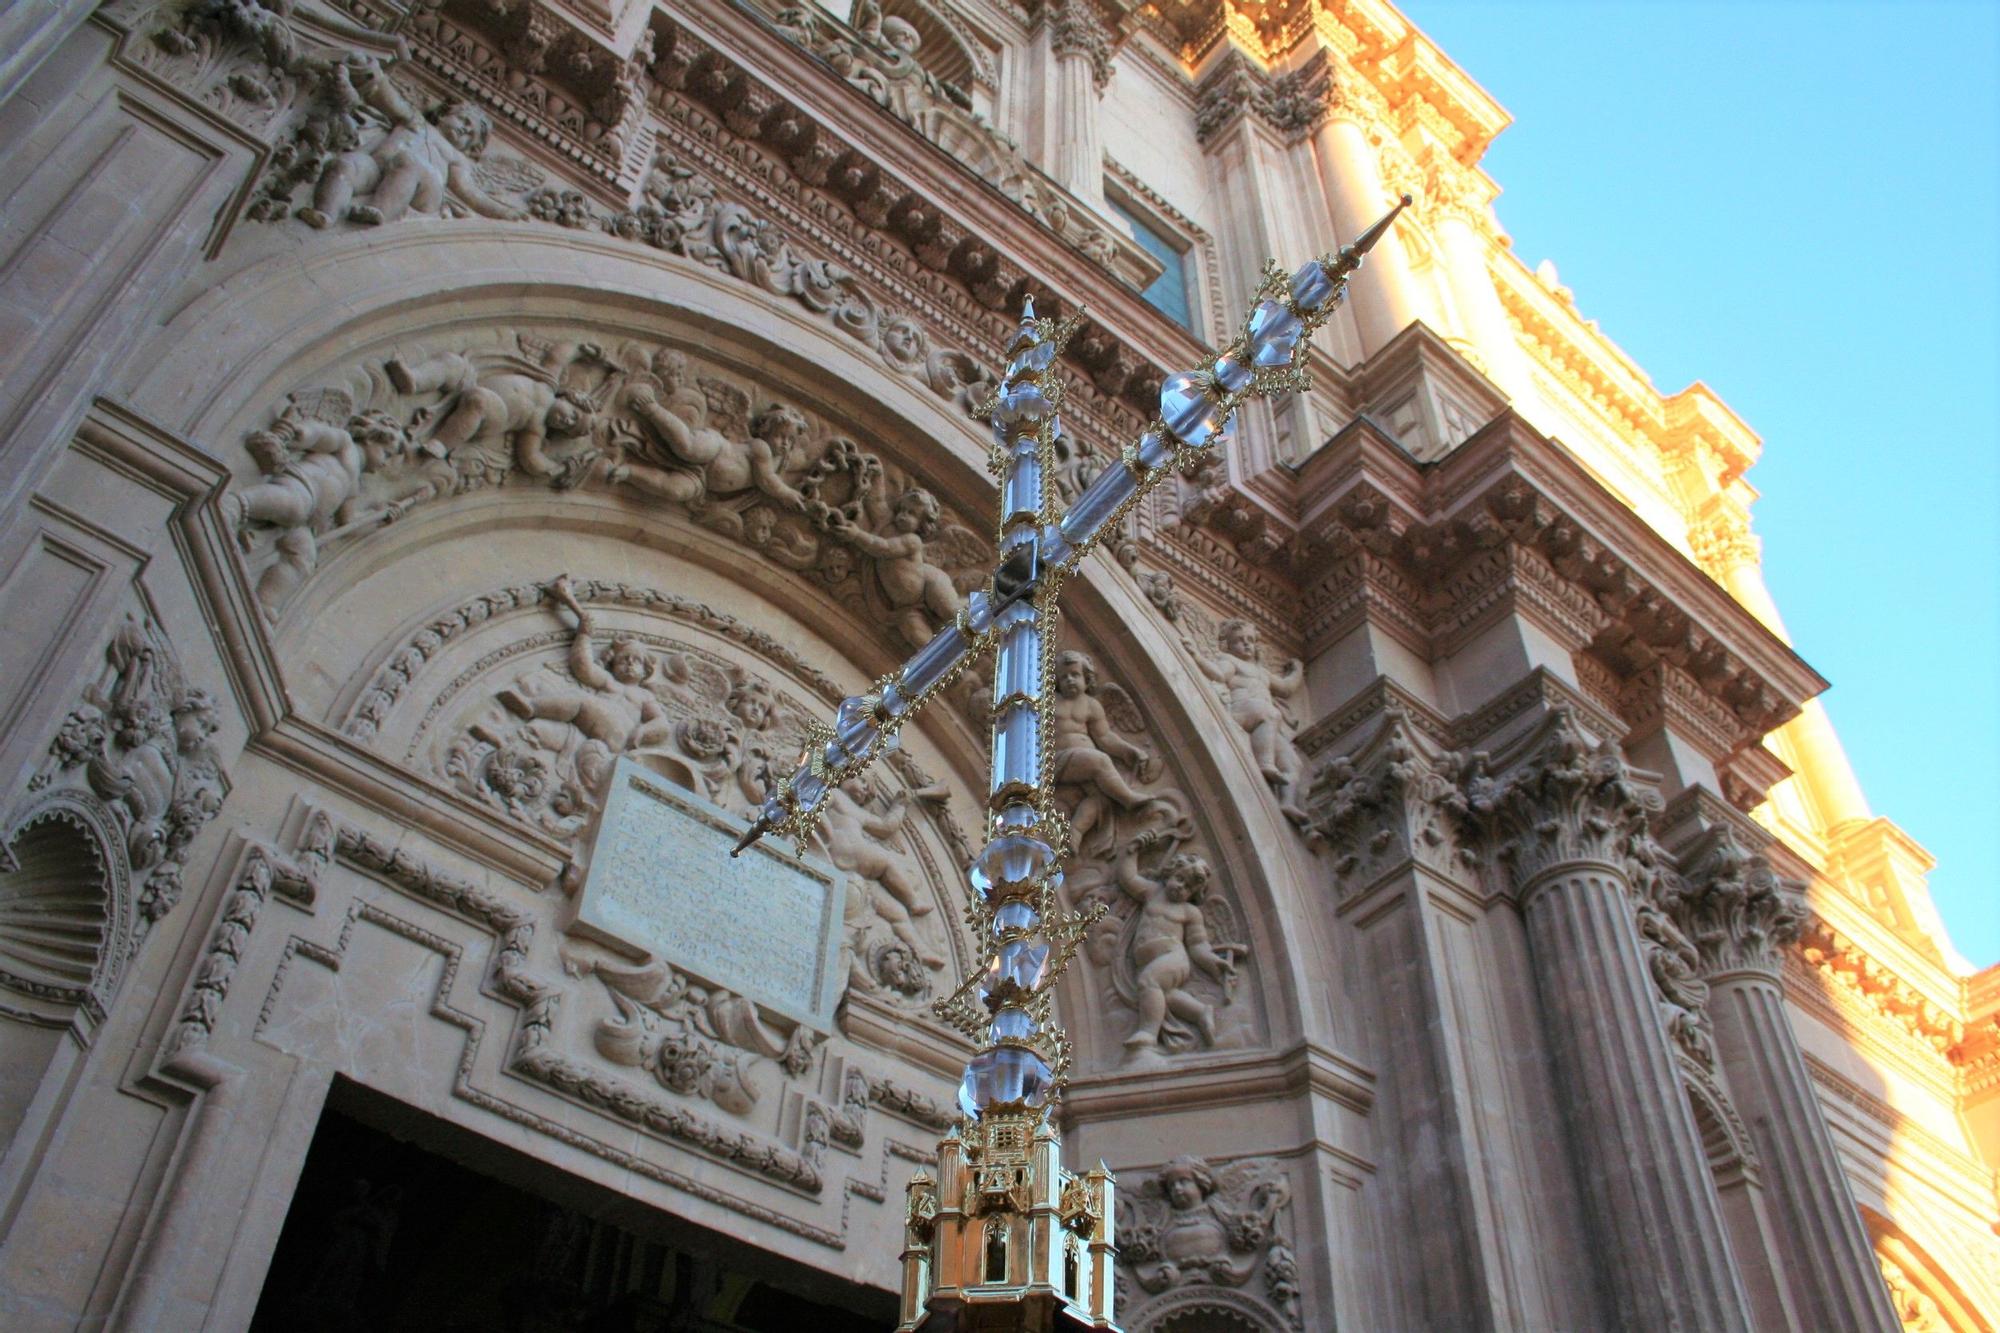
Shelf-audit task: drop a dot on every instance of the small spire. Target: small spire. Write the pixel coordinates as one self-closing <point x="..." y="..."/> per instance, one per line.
<point x="1350" y="256"/>
<point x="1028" y="302"/>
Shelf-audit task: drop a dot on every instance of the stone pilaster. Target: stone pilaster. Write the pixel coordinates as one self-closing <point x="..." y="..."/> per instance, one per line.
<point x="1561" y="821"/>
<point x="1740" y="917"/>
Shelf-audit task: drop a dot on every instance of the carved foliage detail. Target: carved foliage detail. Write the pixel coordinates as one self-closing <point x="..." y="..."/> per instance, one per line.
<point x="1734" y="907"/>
<point x="1568" y="800"/>
<point x="1393" y="799"/>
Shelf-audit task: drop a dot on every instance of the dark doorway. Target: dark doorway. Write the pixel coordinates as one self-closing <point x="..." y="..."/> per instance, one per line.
<point x="402" y="1222"/>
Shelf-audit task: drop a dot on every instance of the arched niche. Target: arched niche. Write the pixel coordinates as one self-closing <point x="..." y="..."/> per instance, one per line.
<point x="424" y="292"/>
<point x="66" y="931"/>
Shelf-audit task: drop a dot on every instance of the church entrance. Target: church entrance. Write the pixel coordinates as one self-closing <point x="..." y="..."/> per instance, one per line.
<point x="402" y="1222"/>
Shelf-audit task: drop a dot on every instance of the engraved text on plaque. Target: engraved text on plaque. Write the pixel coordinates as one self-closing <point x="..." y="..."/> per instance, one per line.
<point x="661" y="880"/>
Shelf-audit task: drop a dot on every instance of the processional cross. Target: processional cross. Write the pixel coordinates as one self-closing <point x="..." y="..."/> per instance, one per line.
<point x="1004" y="1237"/>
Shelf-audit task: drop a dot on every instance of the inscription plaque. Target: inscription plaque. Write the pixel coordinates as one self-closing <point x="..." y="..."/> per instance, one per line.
<point x="661" y="881"/>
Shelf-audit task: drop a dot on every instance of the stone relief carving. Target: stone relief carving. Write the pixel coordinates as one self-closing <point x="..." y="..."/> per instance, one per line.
<point x="639" y="420"/>
<point x="536" y="1052"/>
<point x="1400" y="800"/>
<point x="264" y="871"/>
<point x="1170" y="939"/>
<point x="1166" y="943"/>
<point x="696" y="1040"/>
<point x="1198" y="1225"/>
<point x="1572" y="800"/>
<point x="135" y="759"/>
<point x="877" y="54"/>
<point x="1255" y="694"/>
<point x="254" y="63"/>
<point x="1914" y="1308"/>
<point x="384" y="158"/>
<point x="541" y="749"/>
<point x="1734" y="908"/>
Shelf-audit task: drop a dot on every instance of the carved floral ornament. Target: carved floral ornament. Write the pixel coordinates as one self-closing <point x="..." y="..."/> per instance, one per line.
<point x="95" y="850"/>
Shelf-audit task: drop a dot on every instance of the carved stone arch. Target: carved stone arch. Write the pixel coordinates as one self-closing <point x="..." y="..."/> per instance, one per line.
<point x="1924" y="1296"/>
<point x="1205" y="1309"/>
<point x="219" y="381"/>
<point x="68" y="924"/>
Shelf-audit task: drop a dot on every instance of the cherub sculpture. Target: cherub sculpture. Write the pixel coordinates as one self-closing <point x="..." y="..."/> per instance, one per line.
<point x="1169" y="942"/>
<point x="413" y="161"/>
<point x="1197" y="1223"/>
<point x="1252" y="690"/>
<point x="611" y="702"/>
<point x="698" y="443"/>
<point x="1087" y="749"/>
<point x="502" y="411"/>
<point x="312" y="480"/>
<point x="921" y="594"/>
<point x="858" y="841"/>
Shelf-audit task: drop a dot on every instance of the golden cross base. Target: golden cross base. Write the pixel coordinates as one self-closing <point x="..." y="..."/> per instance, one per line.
<point x="1003" y="1240"/>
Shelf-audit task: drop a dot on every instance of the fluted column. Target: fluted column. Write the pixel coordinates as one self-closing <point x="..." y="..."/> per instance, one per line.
<point x="1384" y="295"/>
<point x="1560" y="821"/>
<point x="1080" y="67"/>
<point x="1740" y="918"/>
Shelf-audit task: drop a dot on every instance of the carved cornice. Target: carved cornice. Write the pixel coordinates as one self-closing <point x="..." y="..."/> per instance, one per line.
<point x="1506" y="525"/>
<point x="1844" y="965"/>
<point x="1734" y="908"/>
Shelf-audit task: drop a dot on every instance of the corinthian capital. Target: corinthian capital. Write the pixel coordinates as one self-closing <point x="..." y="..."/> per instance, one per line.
<point x="1389" y="803"/>
<point x="1566" y="801"/>
<point x="1734" y="907"/>
<point x="1075" y="31"/>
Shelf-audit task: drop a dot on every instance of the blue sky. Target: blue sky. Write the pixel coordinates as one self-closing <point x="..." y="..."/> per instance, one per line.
<point x="1795" y="202"/>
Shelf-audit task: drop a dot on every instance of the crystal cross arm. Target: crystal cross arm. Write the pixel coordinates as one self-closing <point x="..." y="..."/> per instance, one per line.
<point x="865" y="725"/>
<point x="1268" y="357"/>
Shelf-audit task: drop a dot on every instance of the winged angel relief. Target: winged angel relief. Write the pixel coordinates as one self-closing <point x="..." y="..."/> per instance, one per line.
<point x="1202" y="1225"/>
<point x="542" y="748"/>
<point x="640" y="421"/>
<point x="1168" y="942"/>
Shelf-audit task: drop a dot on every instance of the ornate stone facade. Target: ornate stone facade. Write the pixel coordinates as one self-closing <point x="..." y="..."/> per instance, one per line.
<point x="415" y="414"/>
